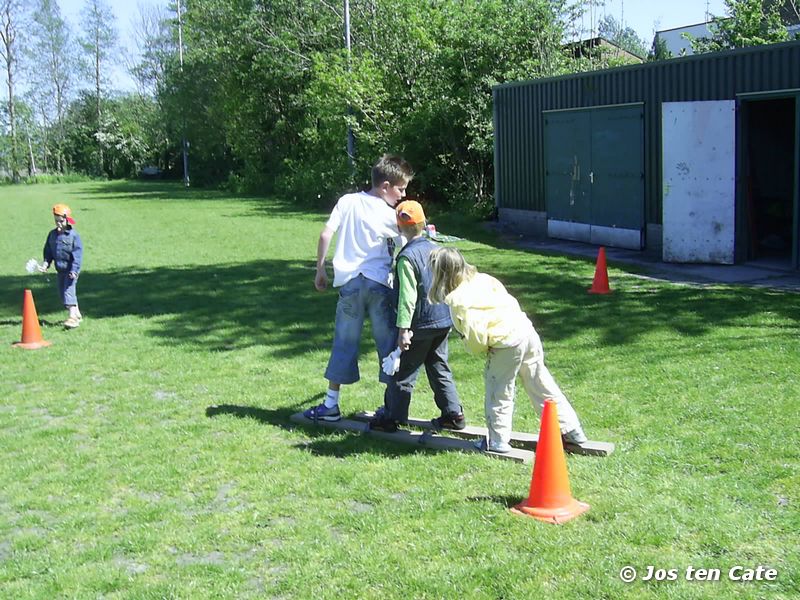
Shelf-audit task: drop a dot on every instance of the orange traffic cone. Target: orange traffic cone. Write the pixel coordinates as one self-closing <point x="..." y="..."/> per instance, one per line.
<point x="31" y="332"/>
<point x="600" y="283"/>
<point x="550" y="498"/>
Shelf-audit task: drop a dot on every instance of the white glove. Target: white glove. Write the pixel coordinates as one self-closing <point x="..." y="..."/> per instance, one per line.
<point x="392" y="362"/>
<point x="32" y="266"/>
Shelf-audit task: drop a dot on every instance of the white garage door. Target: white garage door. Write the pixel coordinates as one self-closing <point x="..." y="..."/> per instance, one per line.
<point x="699" y="167"/>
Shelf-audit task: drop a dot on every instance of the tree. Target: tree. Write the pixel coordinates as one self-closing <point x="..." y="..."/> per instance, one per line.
<point x="418" y="81"/>
<point x="624" y="37"/>
<point x="748" y="23"/>
<point x="11" y="16"/>
<point x="99" y="41"/>
<point x="269" y="91"/>
<point x="155" y="48"/>
<point x="52" y="54"/>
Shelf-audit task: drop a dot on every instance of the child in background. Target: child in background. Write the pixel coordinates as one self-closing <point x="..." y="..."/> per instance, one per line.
<point x="65" y="248"/>
<point x="362" y="270"/>
<point x="492" y="323"/>
<point x="422" y="332"/>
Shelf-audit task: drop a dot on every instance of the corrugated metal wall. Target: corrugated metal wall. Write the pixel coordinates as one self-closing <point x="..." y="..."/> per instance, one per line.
<point x="518" y="122"/>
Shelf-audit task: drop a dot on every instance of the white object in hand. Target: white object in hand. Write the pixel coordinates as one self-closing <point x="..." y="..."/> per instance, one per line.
<point x="392" y="362"/>
<point x="31" y="266"/>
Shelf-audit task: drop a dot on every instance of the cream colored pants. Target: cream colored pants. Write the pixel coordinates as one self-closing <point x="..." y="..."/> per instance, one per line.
<point x="526" y="360"/>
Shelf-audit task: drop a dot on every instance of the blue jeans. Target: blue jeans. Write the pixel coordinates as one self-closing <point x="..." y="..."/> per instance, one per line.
<point x="66" y="289"/>
<point x="358" y="298"/>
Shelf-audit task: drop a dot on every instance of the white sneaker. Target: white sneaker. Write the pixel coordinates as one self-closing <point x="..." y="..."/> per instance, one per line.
<point x="576" y="436"/>
<point x="486" y="446"/>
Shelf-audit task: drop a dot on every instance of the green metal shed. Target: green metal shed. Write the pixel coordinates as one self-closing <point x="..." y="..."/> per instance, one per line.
<point x="697" y="158"/>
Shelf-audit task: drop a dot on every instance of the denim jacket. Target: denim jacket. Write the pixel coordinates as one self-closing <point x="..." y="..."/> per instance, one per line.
<point x="66" y="249"/>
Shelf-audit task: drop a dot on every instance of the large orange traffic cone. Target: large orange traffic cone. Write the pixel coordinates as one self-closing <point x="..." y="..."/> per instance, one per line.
<point x="550" y="498"/>
<point x="31" y="332"/>
<point x="600" y="283"/>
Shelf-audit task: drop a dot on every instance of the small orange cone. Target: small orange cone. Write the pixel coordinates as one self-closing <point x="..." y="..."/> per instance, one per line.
<point x="600" y="283"/>
<point x="550" y="498"/>
<point x="31" y="332"/>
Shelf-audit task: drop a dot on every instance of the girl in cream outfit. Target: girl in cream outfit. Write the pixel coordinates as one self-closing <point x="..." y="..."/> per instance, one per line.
<point x="493" y="325"/>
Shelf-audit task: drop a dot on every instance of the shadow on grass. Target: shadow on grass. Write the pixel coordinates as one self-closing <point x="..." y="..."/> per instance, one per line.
<point x="352" y="444"/>
<point x="279" y="417"/>
<point x="507" y="501"/>
<point x="273" y="304"/>
<point x="270" y="303"/>
<point x="170" y="191"/>
<point x="347" y="443"/>
<point x="560" y="306"/>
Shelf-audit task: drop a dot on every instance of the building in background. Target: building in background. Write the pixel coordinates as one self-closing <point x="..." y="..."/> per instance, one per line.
<point x="676" y="42"/>
<point x="695" y="158"/>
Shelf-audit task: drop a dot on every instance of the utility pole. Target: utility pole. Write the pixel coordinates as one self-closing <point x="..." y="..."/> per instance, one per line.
<point x="350" y="140"/>
<point x="184" y="141"/>
<point x="31" y="159"/>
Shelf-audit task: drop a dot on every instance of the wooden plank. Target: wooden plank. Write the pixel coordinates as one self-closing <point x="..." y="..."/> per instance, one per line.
<point x="518" y="439"/>
<point x="426" y="439"/>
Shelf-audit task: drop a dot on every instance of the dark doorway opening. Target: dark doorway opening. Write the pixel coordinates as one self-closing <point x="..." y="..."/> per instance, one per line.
<point x="770" y="156"/>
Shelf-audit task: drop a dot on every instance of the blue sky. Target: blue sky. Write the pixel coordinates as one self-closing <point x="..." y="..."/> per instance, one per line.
<point x="644" y="16"/>
<point x="641" y="15"/>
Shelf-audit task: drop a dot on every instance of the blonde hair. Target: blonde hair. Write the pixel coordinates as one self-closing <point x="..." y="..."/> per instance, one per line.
<point x="448" y="271"/>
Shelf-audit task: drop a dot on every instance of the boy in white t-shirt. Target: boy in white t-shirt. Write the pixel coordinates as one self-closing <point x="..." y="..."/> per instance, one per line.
<point x="362" y="270"/>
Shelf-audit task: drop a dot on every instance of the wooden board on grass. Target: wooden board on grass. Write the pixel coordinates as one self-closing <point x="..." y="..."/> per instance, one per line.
<point x="424" y="439"/>
<point x="518" y="439"/>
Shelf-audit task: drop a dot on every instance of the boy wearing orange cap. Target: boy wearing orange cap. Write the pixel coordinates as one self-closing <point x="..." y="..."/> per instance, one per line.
<point x="422" y="332"/>
<point x="65" y="248"/>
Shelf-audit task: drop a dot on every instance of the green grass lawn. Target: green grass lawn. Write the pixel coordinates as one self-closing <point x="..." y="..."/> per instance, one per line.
<point x="149" y="453"/>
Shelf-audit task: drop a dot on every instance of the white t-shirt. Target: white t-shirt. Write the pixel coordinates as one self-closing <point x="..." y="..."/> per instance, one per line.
<point x="367" y="236"/>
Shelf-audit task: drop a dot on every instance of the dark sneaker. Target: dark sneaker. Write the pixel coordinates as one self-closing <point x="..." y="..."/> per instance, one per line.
<point x="381" y="411"/>
<point x="454" y="421"/>
<point x="382" y="424"/>
<point x="323" y="413"/>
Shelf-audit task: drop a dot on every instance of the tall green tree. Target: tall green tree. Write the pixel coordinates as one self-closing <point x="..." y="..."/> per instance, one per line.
<point x="53" y="56"/>
<point x="11" y="18"/>
<point x="155" y="49"/>
<point x="99" y="41"/>
<point x="268" y="91"/>
<point x="747" y="23"/>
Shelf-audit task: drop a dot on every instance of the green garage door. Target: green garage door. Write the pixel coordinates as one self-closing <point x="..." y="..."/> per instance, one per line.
<point x="570" y="133"/>
<point x="594" y="170"/>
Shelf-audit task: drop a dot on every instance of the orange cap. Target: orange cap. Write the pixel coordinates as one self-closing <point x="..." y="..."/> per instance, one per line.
<point x="409" y="212"/>
<point x="63" y="210"/>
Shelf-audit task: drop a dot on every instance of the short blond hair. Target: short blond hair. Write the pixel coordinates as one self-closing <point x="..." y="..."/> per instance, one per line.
<point x="448" y="271"/>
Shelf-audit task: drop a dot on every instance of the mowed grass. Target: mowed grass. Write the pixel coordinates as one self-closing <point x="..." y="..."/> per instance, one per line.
<point x="149" y="453"/>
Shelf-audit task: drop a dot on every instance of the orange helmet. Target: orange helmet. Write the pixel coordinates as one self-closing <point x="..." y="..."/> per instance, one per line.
<point x="63" y="210"/>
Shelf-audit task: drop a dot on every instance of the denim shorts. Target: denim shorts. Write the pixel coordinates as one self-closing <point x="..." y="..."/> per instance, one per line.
<point x="360" y="298"/>
<point x="66" y="289"/>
